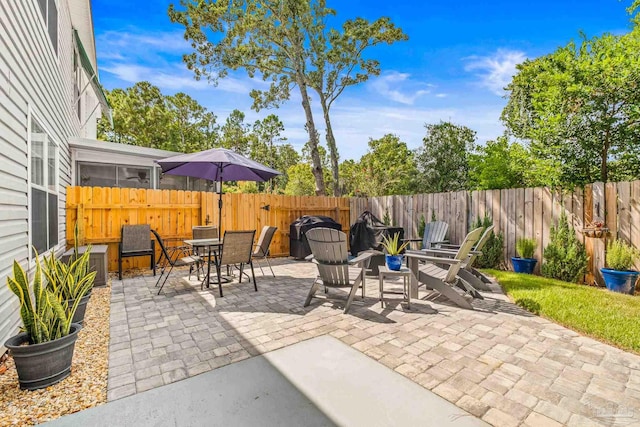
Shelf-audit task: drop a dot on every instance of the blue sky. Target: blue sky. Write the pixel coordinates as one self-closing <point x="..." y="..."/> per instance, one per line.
<point x="458" y="58"/>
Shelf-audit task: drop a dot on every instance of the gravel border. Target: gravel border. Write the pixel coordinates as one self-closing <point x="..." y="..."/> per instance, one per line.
<point x="84" y="388"/>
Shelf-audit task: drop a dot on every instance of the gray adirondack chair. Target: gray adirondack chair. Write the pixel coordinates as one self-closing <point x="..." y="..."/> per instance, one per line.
<point x="434" y="233"/>
<point x="444" y="279"/>
<point x="329" y="253"/>
<point x="468" y="274"/>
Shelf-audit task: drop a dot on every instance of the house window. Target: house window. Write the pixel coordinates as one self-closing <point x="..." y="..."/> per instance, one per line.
<point x="44" y="189"/>
<point x="178" y="182"/>
<point x="134" y="177"/>
<point x="110" y="175"/>
<point x="49" y="12"/>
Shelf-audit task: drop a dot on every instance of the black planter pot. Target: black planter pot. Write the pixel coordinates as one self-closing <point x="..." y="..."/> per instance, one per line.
<point x="45" y="364"/>
<point x="78" y="316"/>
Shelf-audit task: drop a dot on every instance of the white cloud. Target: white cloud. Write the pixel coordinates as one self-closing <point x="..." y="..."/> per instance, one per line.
<point x="496" y="71"/>
<point x="119" y="42"/>
<point x="397" y="87"/>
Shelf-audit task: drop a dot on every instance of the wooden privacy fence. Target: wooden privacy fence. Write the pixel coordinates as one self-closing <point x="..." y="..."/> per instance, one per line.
<point x="100" y="213"/>
<point x="522" y="212"/>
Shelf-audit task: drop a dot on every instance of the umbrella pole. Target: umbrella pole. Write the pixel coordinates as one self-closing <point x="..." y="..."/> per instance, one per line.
<point x="220" y="210"/>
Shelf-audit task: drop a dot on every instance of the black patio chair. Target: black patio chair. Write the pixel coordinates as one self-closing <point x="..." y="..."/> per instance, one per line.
<point x="170" y="257"/>
<point x="136" y="241"/>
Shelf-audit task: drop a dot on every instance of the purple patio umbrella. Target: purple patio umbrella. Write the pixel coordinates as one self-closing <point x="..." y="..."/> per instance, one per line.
<point x="217" y="164"/>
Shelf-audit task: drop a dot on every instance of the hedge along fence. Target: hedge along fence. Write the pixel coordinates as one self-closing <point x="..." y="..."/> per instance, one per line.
<point x="101" y="212"/>
<point x="522" y="212"/>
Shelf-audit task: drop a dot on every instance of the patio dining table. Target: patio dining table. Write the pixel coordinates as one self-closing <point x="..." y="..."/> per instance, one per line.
<point x="211" y="246"/>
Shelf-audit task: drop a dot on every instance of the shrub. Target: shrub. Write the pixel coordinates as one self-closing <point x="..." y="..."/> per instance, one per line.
<point x="565" y="257"/>
<point x="492" y="252"/>
<point x="386" y="219"/>
<point x="621" y="256"/>
<point x="422" y="224"/>
<point x="526" y="247"/>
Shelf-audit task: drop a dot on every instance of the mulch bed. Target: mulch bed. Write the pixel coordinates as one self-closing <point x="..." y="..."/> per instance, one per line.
<point x="84" y="388"/>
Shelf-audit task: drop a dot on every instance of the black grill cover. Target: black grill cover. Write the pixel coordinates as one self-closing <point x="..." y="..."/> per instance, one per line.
<point x="367" y="233"/>
<point x="298" y="245"/>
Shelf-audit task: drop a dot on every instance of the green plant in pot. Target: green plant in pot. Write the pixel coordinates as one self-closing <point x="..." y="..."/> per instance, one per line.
<point x="73" y="281"/>
<point x="393" y="249"/>
<point x="525" y="262"/>
<point x="620" y="258"/>
<point x="43" y="351"/>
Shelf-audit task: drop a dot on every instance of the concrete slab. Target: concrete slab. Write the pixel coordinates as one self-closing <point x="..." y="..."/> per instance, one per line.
<point x="319" y="382"/>
<point x="355" y="390"/>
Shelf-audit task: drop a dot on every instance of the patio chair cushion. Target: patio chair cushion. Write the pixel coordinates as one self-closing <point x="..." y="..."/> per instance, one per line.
<point x="136" y="238"/>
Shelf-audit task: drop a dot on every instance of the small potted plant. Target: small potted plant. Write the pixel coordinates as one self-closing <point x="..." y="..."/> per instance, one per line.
<point x="393" y="249"/>
<point x="43" y="351"/>
<point x="525" y="262"/>
<point x="619" y="277"/>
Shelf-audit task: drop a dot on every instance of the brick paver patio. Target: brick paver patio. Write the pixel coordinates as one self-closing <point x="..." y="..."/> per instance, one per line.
<point x="498" y="362"/>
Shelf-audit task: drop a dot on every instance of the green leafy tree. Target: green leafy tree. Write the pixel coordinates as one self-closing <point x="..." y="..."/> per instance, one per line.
<point x="286" y="157"/>
<point x="268" y="148"/>
<point x="578" y="108"/>
<point x="193" y="127"/>
<point x="268" y="133"/>
<point x="268" y="38"/>
<point x="443" y="159"/>
<point x="235" y="134"/>
<point x="351" y="178"/>
<point x="388" y="167"/>
<point x="143" y="116"/>
<point x="300" y="180"/>
<point x="140" y="117"/>
<point x="498" y="164"/>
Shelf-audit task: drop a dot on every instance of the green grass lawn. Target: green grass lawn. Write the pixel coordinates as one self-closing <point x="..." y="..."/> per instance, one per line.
<point x="604" y="315"/>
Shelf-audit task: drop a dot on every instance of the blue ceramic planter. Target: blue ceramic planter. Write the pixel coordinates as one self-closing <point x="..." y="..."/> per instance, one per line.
<point x="620" y="281"/>
<point x="523" y="265"/>
<point x="394" y="262"/>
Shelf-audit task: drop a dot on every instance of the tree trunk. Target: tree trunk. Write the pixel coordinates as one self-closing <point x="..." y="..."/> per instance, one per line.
<point x="313" y="139"/>
<point x="604" y="172"/>
<point x="333" y="149"/>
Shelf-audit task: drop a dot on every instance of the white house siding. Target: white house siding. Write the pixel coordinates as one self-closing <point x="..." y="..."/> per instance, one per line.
<point x="32" y="78"/>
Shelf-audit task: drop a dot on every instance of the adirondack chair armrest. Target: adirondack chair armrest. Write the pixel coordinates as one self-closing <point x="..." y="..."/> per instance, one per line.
<point x="433" y="259"/>
<point x="445" y="252"/>
<point x="361" y="258"/>
<point x="448" y="246"/>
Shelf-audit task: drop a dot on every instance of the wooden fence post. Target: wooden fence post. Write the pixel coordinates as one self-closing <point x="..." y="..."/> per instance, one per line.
<point x="599" y="244"/>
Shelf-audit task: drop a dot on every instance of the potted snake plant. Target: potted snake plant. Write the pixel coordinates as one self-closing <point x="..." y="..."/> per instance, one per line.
<point x="43" y="351"/>
<point x="73" y="281"/>
<point x="393" y="249"/>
